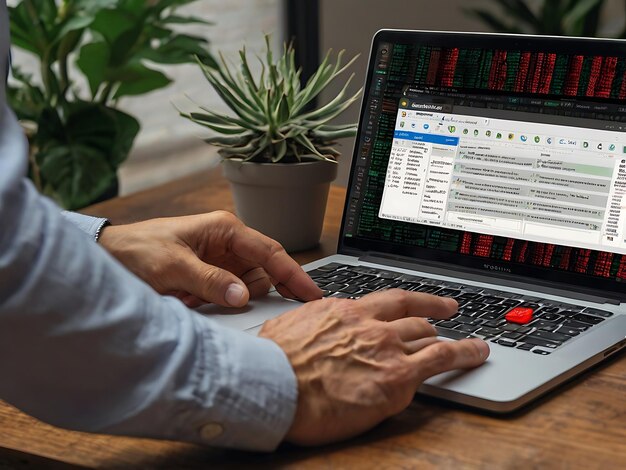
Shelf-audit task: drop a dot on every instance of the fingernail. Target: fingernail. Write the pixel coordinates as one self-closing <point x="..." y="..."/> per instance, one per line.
<point x="483" y="349"/>
<point x="234" y="295"/>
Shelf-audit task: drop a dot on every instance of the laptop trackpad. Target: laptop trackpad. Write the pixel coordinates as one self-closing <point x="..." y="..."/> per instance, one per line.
<point x="252" y="315"/>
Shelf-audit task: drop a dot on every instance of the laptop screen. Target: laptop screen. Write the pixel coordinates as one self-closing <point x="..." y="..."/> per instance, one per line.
<point x="502" y="153"/>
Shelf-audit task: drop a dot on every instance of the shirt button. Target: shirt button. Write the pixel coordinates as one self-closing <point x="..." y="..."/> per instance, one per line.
<point x="210" y="431"/>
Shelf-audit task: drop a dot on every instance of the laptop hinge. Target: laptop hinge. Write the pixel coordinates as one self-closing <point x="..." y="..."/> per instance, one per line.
<point x="501" y="279"/>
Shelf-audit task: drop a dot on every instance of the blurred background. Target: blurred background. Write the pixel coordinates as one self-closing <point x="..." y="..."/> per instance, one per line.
<point x="169" y="147"/>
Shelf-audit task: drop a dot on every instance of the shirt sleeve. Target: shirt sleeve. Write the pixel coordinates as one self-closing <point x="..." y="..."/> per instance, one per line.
<point x="88" y="224"/>
<point x="86" y="345"/>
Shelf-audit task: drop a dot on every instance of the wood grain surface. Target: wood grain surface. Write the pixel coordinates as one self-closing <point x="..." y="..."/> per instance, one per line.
<point x="581" y="425"/>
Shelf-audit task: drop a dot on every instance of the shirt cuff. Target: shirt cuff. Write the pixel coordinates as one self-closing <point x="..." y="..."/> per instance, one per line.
<point x="88" y="224"/>
<point x="256" y="402"/>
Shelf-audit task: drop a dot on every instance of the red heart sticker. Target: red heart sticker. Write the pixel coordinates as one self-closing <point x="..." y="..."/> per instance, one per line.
<point x="520" y="315"/>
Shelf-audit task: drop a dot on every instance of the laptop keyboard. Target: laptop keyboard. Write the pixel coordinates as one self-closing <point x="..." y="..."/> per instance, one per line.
<point x="513" y="320"/>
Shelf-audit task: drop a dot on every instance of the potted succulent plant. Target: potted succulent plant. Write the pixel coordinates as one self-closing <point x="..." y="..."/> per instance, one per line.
<point x="277" y="153"/>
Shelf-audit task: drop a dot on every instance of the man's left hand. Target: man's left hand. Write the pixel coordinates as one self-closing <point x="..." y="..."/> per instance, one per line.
<point x="204" y="258"/>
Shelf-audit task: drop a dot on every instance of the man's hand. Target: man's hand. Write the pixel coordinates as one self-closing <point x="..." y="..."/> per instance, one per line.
<point x="360" y="361"/>
<point x="210" y="257"/>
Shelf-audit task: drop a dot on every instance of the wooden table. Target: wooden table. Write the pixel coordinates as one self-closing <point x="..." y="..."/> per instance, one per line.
<point x="581" y="425"/>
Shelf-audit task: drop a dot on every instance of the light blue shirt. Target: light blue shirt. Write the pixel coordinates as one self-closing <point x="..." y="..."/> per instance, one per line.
<point x="86" y="345"/>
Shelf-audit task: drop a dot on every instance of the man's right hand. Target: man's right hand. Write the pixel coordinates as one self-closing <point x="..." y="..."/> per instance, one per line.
<point x="358" y="362"/>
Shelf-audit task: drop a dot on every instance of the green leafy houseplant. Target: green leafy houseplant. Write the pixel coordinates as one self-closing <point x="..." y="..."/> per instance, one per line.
<point x="271" y="122"/>
<point x="550" y="17"/>
<point x="79" y="138"/>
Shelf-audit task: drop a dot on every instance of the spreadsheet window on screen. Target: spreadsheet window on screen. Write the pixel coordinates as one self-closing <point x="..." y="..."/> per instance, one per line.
<point x="510" y="155"/>
<point x="540" y="182"/>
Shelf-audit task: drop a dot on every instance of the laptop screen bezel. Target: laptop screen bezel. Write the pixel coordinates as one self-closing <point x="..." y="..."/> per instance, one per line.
<point x="357" y="246"/>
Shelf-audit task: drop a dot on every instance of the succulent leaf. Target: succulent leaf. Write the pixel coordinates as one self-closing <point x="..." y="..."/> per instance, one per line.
<point x="269" y="122"/>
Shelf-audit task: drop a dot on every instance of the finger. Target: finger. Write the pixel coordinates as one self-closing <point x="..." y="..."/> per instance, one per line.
<point x="260" y="250"/>
<point x="258" y="282"/>
<point x="210" y="283"/>
<point x="393" y="304"/>
<point x="412" y="328"/>
<point x="443" y="356"/>
<point x="285" y="292"/>
<point x="411" y="347"/>
<point x="191" y="301"/>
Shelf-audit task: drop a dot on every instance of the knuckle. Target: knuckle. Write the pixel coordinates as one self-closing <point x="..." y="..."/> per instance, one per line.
<point x="275" y="247"/>
<point x="211" y="276"/>
<point x="441" y="354"/>
<point x="226" y="217"/>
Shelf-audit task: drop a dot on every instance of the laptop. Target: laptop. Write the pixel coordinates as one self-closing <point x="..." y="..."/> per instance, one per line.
<point x="492" y="169"/>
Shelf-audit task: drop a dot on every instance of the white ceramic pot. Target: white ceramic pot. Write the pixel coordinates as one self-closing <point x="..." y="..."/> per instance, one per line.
<point x="285" y="201"/>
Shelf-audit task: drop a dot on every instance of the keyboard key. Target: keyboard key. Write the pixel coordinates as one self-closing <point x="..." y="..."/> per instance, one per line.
<point x="510" y="327"/>
<point x="525" y="347"/>
<point x="448" y="292"/>
<point x="544" y="343"/>
<point x="428" y="289"/>
<point x="573" y="308"/>
<point x="489" y="315"/>
<point x="510" y="303"/>
<point x="410" y="278"/>
<point x="531" y="305"/>
<point x="549" y="310"/>
<point x="408" y="286"/>
<point x="350" y="289"/>
<point x="452" y="334"/>
<point x="340" y="278"/>
<point x="550" y="316"/>
<point x="472" y="289"/>
<point x="468" y="320"/>
<point x="388" y="274"/>
<point x="447" y="324"/>
<point x="332" y="267"/>
<point x="511" y="335"/>
<point x="598" y="312"/>
<point x="544" y="325"/>
<point x="576" y="324"/>
<point x="505" y="342"/>
<point x="541" y="352"/>
<point x="494" y="308"/>
<point x="587" y="319"/>
<point x="470" y="313"/>
<point x="494" y="323"/>
<point x="485" y="331"/>
<point x="318" y="273"/>
<point x="473" y="307"/>
<point x="468" y="295"/>
<point x="568" y="331"/>
<point x="491" y="300"/>
<point x="364" y="270"/>
<point x="335" y="287"/>
<point x="467" y="328"/>
<point x="556" y="337"/>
